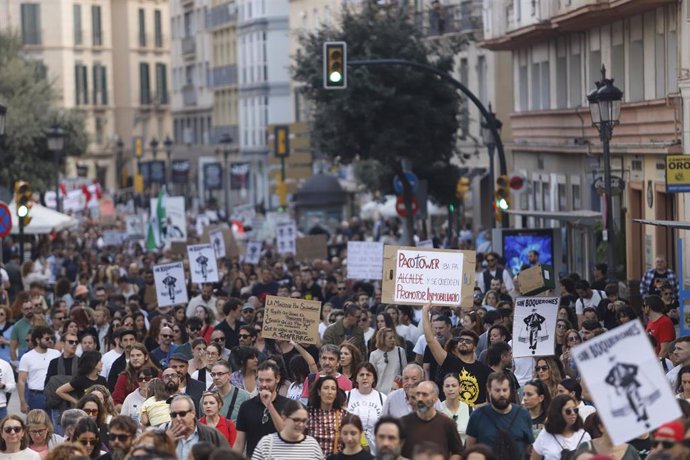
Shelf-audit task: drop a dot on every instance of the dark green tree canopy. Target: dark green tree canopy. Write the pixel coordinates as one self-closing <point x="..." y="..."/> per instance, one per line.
<point x="31" y="110"/>
<point x="387" y="113"/>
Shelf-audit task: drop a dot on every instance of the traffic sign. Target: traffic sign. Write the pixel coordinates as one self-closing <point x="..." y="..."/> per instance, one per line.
<point x="400" y="206"/>
<point x="5" y="220"/>
<point x="398" y="185"/>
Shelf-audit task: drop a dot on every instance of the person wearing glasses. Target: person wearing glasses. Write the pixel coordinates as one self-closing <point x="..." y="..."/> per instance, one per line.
<point x="211" y="404"/>
<point x="193" y="326"/>
<point x="548" y="371"/>
<point x="40" y="430"/>
<point x="87" y="433"/>
<point x="211" y="355"/>
<point x="127" y="381"/>
<point x="122" y="432"/>
<point x="14" y="440"/>
<point x="493" y="270"/>
<point x="186" y="431"/>
<point x="562" y="430"/>
<point x="218" y="337"/>
<point x="572" y="339"/>
<point x="290" y="441"/>
<point x="166" y="347"/>
<point x="33" y="367"/>
<point x="389" y="360"/>
<point x="61" y="370"/>
<point x="134" y="400"/>
<point x="233" y="397"/>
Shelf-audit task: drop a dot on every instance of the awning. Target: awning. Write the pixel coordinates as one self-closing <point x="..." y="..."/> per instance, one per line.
<point x="585" y="217"/>
<point x="665" y="223"/>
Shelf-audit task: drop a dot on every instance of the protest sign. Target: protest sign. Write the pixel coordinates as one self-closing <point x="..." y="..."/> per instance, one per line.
<point x="169" y="219"/>
<point x="286" y="237"/>
<point x="202" y="263"/>
<point x="312" y="247"/>
<point x="534" y="327"/>
<point x="223" y="241"/>
<point x="626" y="381"/>
<point x="113" y="237"/>
<point x="171" y="288"/>
<point x="136" y="226"/>
<point x="364" y="260"/>
<point x="425" y="244"/>
<point x="291" y="319"/>
<point x="253" y="253"/>
<point x="217" y="241"/>
<point x="413" y="276"/>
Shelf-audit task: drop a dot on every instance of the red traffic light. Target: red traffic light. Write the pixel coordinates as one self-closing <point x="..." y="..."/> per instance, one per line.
<point x="517" y="182"/>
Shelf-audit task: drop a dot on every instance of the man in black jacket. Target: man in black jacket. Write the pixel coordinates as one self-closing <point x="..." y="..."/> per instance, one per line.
<point x="186" y="431"/>
<point x="189" y="386"/>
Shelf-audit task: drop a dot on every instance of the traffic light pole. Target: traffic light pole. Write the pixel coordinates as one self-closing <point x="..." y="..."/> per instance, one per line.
<point x="490" y="122"/>
<point x="21" y="240"/>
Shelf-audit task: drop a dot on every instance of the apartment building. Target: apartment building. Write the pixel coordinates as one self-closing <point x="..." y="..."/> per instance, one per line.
<point x="558" y="48"/>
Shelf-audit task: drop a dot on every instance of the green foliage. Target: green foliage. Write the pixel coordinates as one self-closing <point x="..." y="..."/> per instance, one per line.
<point x="387" y="113"/>
<point x="32" y="107"/>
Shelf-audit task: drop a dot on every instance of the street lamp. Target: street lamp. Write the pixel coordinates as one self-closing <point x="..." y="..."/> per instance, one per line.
<point x="605" y="109"/>
<point x="225" y="140"/>
<point x="168" y="144"/>
<point x="154" y="147"/>
<point x="56" y="142"/>
<point x="490" y="142"/>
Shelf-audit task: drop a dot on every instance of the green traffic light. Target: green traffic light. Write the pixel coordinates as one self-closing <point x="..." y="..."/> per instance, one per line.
<point x="502" y="204"/>
<point x="22" y="211"/>
<point x="335" y="77"/>
<point x="451" y="207"/>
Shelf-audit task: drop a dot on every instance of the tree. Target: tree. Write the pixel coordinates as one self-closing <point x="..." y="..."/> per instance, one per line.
<point x="386" y="114"/>
<point x="32" y="109"/>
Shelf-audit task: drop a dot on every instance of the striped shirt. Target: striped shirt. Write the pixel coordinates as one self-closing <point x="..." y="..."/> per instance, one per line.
<point x="273" y="447"/>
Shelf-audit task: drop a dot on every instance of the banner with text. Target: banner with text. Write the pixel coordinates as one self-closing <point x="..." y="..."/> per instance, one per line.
<point x="364" y="260"/>
<point x="291" y="319"/>
<point x="171" y="288"/>
<point x="534" y="327"/>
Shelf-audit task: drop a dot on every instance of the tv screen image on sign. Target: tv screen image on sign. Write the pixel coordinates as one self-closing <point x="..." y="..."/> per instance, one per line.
<point x="518" y="243"/>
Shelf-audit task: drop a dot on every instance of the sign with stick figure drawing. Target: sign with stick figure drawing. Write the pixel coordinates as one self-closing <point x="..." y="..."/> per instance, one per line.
<point x="202" y="263"/>
<point x="534" y="326"/>
<point x="626" y="381"/>
<point x="171" y="288"/>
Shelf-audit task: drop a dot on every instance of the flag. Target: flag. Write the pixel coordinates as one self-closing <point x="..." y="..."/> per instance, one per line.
<point x="154" y="232"/>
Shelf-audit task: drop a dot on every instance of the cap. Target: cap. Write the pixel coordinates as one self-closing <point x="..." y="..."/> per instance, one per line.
<point x="81" y="290"/>
<point x="672" y="431"/>
<point x="179" y="357"/>
<point x="248" y="306"/>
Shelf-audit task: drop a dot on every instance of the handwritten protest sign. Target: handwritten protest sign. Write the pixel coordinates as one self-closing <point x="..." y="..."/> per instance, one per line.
<point x="171" y="288"/>
<point x="626" y="381"/>
<point x="534" y="327"/>
<point x="202" y="263"/>
<point x="291" y="319"/>
<point x="364" y="260"/>
<point x="312" y="247"/>
<point x="425" y="244"/>
<point x="413" y="276"/>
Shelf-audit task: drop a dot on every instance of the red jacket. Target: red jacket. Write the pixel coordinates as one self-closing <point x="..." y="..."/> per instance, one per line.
<point x="226" y="427"/>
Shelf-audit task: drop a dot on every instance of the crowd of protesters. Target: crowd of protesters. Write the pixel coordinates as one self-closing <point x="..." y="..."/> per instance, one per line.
<point x="101" y="370"/>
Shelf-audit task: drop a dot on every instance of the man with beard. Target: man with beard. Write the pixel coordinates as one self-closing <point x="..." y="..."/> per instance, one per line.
<point x="459" y="360"/>
<point x="165" y="347"/>
<point x="122" y="431"/>
<point x="205" y="299"/>
<point x="127" y="338"/>
<point x="187" y="385"/>
<point x="233" y="397"/>
<point x="33" y="367"/>
<point x="491" y="423"/>
<point x="389" y="435"/>
<point x="400" y="401"/>
<point x="21" y="330"/>
<point x="260" y="415"/>
<point x="428" y="424"/>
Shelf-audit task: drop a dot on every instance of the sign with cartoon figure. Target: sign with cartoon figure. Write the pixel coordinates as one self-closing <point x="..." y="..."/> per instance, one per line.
<point x="253" y="253"/>
<point x="534" y="327"/>
<point x="218" y="242"/>
<point x="171" y="288"/>
<point x="202" y="263"/>
<point x="286" y="238"/>
<point x="624" y="377"/>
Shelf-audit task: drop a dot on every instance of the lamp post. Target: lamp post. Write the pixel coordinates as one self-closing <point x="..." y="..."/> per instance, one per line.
<point x="225" y="140"/>
<point x="605" y="109"/>
<point x="56" y="142"/>
<point x="490" y="142"/>
<point x="120" y="149"/>
<point x="168" y="144"/>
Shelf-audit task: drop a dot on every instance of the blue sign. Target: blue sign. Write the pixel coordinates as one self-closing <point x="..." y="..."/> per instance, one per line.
<point x="398" y="185"/>
<point x="5" y="220"/>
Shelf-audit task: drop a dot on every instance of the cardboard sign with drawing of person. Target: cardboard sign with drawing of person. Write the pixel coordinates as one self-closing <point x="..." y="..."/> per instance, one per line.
<point x="171" y="288"/>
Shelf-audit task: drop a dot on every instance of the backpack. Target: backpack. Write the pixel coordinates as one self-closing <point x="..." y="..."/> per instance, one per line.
<point x="505" y="447"/>
<point x="53" y="401"/>
<point x="567" y="454"/>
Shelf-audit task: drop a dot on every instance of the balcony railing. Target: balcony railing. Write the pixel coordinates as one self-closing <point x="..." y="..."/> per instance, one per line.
<point x="464" y="18"/>
<point x="224" y="76"/>
<point x="221" y="15"/>
<point x="188" y="45"/>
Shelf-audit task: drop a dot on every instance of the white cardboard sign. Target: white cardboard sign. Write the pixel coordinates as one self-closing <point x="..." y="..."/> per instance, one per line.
<point x="534" y="327"/>
<point x="286" y="237"/>
<point x="428" y="276"/>
<point x="364" y="260"/>
<point x="253" y="254"/>
<point x="202" y="263"/>
<point x="171" y="288"/>
<point x="626" y="381"/>
<point x="218" y="242"/>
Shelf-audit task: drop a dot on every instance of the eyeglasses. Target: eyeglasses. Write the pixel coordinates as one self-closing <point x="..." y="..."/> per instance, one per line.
<point x="299" y="421"/>
<point x="220" y="339"/>
<point x="465" y="340"/>
<point x="39" y="431"/>
<point x="182" y="413"/>
<point x="167" y="336"/>
<point x="664" y="444"/>
<point x="10" y="429"/>
<point x="573" y="338"/>
<point x="572" y="411"/>
<point x="560" y="326"/>
<point x="144" y="379"/>
<point x="88" y="442"/>
<point x="119" y="437"/>
<point x="91" y="411"/>
<point x="72" y="342"/>
<point x="264" y="418"/>
<point x="541" y="368"/>
<point x="194" y="329"/>
<point x="170" y="376"/>
<point x="244" y="336"/>
<point x="341" y="289"/>
<point x="217" y="374"/>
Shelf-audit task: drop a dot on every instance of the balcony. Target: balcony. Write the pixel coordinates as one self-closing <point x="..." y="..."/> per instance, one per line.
<point x="221" y="15"/>
<point x="188" y="46"/>
<point x="463" y="19"/>
<point x="224" y="76"/>
<point x="189" y="95"/>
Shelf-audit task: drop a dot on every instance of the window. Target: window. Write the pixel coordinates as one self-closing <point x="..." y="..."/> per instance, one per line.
<point x="617" y="54"/>
<point x="81" y="84"/>
<point x="561" y="75"/>
<point x="31" y="23"/>
<point x="482" y="77"/>
<point x="96" y="30"/>
<point x="162" y="83"/>
<point x="142" y="28"/>
<point x="100" y="127"/>
<point x="100" y="85"/>
<point x="158" y="29"/>
<point x="188" y="24"/>
<point x="524" y="92"/>
<point x="575" y="73"/>
<point x="76" y="20"/>
<point x="144" y="84"/>
<point x="636" y="60"/>
<point x="535" y="103"/>
<point x="577" y="197"/>
<point x="545" y="88"/>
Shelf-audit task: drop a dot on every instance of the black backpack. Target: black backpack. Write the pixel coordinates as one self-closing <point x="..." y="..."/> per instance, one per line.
<point x="53" y="401"/>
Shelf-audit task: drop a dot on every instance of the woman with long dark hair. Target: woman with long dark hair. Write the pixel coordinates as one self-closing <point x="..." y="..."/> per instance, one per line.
<point x="536" y="399"/>
<point x="127" y="381"/>
<point x="350" y="359"/>
<point x="563" y="430"/>
<point x="87" y="434"/>
<point x="548" y="371"/>
<point x="365" y="401"/>
<point x="247" y="359"/>
<point x="89" y="370"/>
<point x="326" y="413"/>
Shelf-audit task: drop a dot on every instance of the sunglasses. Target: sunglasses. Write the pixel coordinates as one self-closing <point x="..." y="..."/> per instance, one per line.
<point x="571" y="411"/>
<point x="118" y="437"/>
<point x="664" y="444"/>
<point x="541" y="368"/>
<point x="195" y="329"/>
<point x="264" y="417"/>
<point x="88" y="442"/>
<point x="220" y="339"/>
<point x="560" y="326"/>
<point x="244" y="336"/>
<point x="72" y="342"/>
<point x="573" y="338"/>
<point x="10" y="429"/>
<point x="145" y="379"/>
<point x="167" y="336"/>
<point x="466" y="341"/>
<point x="182" y="413"/>
<point x="90" y="411"/>
<point x="385" y="357"/>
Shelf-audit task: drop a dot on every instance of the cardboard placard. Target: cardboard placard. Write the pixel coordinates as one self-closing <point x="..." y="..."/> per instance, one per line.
<point x="286" y="237"/>
<point x="291" y="319"/>
<point x="217" y="241"/>
<point x="534" y="327"/>
<point x="535" y="280"/>
<point x="364" y="260"/>
<point x="253" y="253"/>
<point x="202" y="263"/>
<point x="312" y="247"/>
<point x="232" y="249"/>
<point x="411" y="275"/>
<point x="171" y="288"/>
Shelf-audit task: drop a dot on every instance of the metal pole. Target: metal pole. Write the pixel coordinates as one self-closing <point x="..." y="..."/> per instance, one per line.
<point x="226" y="184"/>
<point x="58" y="208"/>
<point x="168" y="176"/>
<point x="610" y="255"/>
<point x="21" y="240"/>
<point x="492" y="175"/>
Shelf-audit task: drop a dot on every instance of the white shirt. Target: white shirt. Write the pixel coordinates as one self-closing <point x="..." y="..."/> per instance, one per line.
<point x="584" y="410"/>
<point x="132" y="403"/>
<point x="26" y="454"/>
<point x="108" y="359"/>
<point x="198" y="300"/>
<point x="550" y="446"/>
<point x="6" y="377"/>
<point x="388" y="365"/>
<point x="36" y="364"/>
<point x="420" y="345"/>
<point x="369" y="408"/>
<point x="582" y="303"/>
